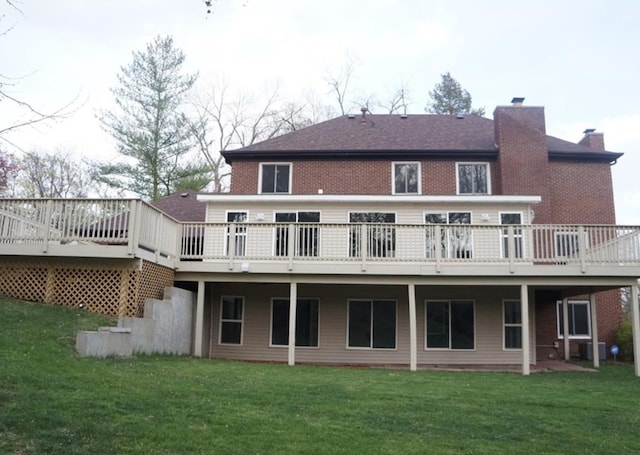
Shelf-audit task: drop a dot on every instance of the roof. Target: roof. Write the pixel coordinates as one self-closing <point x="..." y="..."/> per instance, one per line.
<point x="410" y="136"/>
<point x="182" y="206"/>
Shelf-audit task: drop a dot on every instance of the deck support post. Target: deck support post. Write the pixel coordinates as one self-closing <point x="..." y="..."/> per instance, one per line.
<point x="594" y="332"/>
<point x="635" y="327"/>
<point x="565" y="328"/>
<point x="413" y="343"/>
<point x="199" y="328"/>
<point x="524" y="311"/>
<point x="293" y="306"/>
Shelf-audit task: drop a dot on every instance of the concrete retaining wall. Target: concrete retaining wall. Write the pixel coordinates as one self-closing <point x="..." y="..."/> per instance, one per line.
<point x="166" y="328"/>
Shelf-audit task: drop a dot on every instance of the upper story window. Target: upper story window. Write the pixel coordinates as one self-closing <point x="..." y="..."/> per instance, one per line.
<point x="406" y="178"/>
<point x="275" y="178"/>
<point x="473" y="178"/>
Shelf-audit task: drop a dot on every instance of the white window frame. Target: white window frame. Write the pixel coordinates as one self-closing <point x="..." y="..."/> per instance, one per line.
<point x="393" y="177"/>
<point x="447" y="239"/>
<point x="474" y="163"/>
<point x="290" y="164"/>
<point x="297" y="213"/>
<point x="225" y="240"/>
<point x="515" y="234"/>
<point x="559" y="313"/>
<point x="510" y="324"/>
<point x="395" y="218"/>
<point x="450" y="301"/>
<point x="370" y="347"/>
<point x="236" y="321"/>
<point x="271" y="345"/>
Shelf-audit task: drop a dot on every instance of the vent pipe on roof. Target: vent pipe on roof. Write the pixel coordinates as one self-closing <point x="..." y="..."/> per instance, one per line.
<point x="460" y="115"/>
<point x="364" y="111"/>
<point x="403" y="116"/>
<point x="517" y="102"/>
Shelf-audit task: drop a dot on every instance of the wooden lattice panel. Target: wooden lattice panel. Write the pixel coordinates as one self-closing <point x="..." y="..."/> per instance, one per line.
<point x="98" y="290"/>
<point x="23" y="282"/>
<point x="154" y="279"/>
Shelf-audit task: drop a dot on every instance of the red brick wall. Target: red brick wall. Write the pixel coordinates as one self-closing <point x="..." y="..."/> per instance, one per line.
<point x="352" y="177"/>
<point x="609" y="317"/>
<point x="523" y="158"/>
<point x="582" y="193"/>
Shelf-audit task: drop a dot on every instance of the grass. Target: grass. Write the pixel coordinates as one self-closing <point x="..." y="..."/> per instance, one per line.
<point x="52" y="401"/>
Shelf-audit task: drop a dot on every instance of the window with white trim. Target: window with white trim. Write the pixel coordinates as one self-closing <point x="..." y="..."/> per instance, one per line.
<point x="372" y="324"/>
<point x="306" y="322"/>
<point x="450" y="324"/>
<point x="406" y="178"/>
<point x="380" y="236"/>
<point x="473" y="178"/>
<point x="306" y="241"/>
<point x="516" y="233"/>
<point x="579" y="319"/>
<point x="275" y="178"/>
<point x="455" y="241"/>
<point x="512" y="322"/>
<point x="231" y="317"/>
<point x="238" y="232"/>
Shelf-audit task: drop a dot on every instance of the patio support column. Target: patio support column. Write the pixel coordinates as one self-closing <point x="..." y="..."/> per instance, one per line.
<point x="413" y="343"/>
<point x="565" y="327"/>
<point x="524" y="312"/>
<point x="594" y="332"/>
<point x="635" y="325"/>
<point x="197" y="342"/>
<point x="293" y="306"/>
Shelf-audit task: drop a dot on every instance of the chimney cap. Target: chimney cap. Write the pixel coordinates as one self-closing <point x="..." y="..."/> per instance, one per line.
<point x="517" y="101"/>
<point x="589" y="131"/>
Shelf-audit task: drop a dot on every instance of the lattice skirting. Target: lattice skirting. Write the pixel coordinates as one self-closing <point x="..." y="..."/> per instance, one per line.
<point x="112" y="287"/>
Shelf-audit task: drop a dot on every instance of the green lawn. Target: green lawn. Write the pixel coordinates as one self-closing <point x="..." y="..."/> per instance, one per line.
<point x="52" y="401"/>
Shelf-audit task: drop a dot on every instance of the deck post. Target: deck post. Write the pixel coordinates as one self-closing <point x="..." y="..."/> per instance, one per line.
<point x="565" y="328"/>
<point x="293" y="306"/>
<point x="524" y="311"/>
<point x="47" y="225"/>
<point x="197" y="343"/>
<point x="594" y="331"/>
<point x="635" y="326"/>
<point x="413" y="344"/>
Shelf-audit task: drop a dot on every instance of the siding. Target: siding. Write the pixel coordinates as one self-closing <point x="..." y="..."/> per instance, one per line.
<point x="333" y="325"/>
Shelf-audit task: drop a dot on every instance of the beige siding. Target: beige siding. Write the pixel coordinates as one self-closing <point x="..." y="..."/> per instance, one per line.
<point x="333" y="325"/>
<point x="338" y="212"/>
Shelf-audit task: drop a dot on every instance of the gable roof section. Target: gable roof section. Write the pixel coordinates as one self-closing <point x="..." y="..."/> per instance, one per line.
<point x="183" y="206"/>
<point x="406" y="137"/>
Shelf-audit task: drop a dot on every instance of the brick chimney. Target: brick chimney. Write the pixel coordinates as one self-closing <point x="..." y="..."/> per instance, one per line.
<point x="523" y="156"/>
<point x="593" y="140"/>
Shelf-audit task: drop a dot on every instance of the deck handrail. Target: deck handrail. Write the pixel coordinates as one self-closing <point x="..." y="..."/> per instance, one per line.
<point x="137" y="225"/>
<point x="555" y="244"/>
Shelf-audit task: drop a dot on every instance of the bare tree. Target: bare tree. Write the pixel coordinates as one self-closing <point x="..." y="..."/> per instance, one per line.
<point x="226" y="120"/>
<point x="27" y="113"/>
<point x="339" y="83"/>
<point x="397" y="100"/>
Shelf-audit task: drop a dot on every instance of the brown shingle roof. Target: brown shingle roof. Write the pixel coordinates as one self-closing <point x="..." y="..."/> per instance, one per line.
<point x="182" y="206"/>
<point x="410" y="136"/>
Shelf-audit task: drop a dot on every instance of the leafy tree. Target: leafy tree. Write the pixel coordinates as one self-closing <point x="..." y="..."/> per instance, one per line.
<point x="8" y="170"/>
<point x="151" y="132"/>
<point x="448" y="97"/>
<point x="53" y="175"/>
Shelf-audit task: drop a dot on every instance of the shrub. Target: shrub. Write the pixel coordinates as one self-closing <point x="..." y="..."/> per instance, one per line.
<point x="624" y="340"/>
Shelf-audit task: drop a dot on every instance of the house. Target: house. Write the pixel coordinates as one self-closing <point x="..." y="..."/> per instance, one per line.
<point x="407" y="240"/>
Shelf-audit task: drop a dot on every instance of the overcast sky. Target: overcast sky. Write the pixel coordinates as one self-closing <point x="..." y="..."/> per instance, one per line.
<point x="578" y="58"/>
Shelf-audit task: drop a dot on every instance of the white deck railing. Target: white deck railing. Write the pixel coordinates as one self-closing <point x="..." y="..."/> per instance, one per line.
<point x="94" y="222"/>
<point x="28" y="225"/>
<point x="534" y="244"/>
